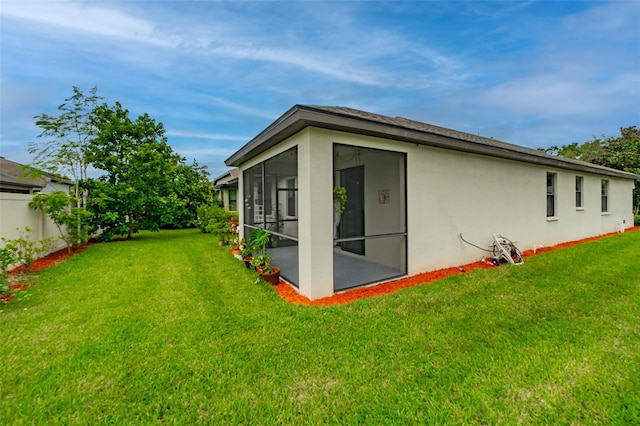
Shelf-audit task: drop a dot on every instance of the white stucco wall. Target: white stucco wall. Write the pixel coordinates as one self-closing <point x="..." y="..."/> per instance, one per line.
<point x="315" y="220"/>
<point x="224" y="196"/>
<point x="451" y="193"/>
<point x="447" y="193"/>
<point x="15" y="214"/>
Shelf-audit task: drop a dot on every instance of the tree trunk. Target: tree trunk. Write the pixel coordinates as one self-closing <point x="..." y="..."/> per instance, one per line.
<point x="130" y="220"/>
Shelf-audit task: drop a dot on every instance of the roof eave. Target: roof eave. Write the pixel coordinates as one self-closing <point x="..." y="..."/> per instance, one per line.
<point x="301" y="116"/>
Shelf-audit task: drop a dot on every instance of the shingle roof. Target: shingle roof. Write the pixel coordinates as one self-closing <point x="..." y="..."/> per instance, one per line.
<point x="402" y="129"/>
<point x="13" y="172"/>
<point x="419" y="126"/>
<point x="227" y="179"/>
<point x="7" y="181"/>
<point x="18" y="171"/>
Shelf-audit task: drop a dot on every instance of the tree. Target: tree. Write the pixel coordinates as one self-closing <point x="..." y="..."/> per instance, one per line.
<point x="588" y="151"/>
<point x="621" y="153"/>
<point x="58" y="205"/>
<point x="138" y="162"/>
<point x="66" y="152"/>
<point x="191" y="188"/>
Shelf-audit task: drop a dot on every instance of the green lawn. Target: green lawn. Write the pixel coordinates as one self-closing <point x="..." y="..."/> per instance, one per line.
<point x="170" y="329"/>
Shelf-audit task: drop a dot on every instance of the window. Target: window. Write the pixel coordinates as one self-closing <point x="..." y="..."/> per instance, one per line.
<point x="291" y="197"/>
<point x="578" y="192"/>
<point x="551" y="194"/>
<point x="605" y="196"/>
<point x="233" y="197"/>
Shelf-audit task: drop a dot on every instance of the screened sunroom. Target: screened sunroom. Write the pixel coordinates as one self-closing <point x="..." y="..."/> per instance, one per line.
<point x="369" y="234"/>
<point x="270" y="195"/>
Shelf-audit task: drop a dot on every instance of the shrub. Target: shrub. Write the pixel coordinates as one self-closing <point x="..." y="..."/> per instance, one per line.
<point x="23" y="250"/>
<point x="217" y="221"/>
<point x="636" y="220"/>
<point x="58" y="205"/>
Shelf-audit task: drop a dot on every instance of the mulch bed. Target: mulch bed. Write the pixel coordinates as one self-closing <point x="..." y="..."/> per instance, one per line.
<point x="288" y="293"/>
<point x="18" y="280"/>
<point x="51" y="259"/>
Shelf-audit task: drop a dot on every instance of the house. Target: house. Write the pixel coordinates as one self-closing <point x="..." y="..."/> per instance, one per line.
<point x="412" y="190"/>
<point x="16" y="191"/>
<point x="227" y="186"/>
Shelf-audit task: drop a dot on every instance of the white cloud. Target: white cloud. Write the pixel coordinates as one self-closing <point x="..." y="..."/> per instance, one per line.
<point x="205" y="151"/>
<point x="86" y="18"/>
<point x="617" y="18"/>
<point x="243" y="109"/>
<point x="367" y="61"/>
<point x="211" y="136"/>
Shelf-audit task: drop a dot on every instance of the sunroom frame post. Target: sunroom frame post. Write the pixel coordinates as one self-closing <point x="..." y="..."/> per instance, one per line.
<point x="315" y="191"/>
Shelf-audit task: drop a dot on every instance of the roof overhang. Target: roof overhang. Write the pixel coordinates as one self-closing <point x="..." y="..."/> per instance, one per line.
<point x="228" y="179"/>
<point x="11" y="183"/>
<point x="400" y="129"/>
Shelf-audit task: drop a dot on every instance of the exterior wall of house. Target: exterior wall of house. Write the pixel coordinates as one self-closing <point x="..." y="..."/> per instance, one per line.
<point x="224" y="197"/>
<point x="448" y="193"/>
<point x="451" y="193"/>
<point x="315" y="219"/>
<point x="15" y="214"/>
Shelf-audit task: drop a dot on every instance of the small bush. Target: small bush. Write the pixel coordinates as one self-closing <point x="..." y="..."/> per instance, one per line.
<point x="23" y="250"/>
<point x="218" y="221"/>
<point x="636" y="220"/>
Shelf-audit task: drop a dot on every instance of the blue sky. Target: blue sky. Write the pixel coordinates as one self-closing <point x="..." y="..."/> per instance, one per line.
<point x="216" y="73"/>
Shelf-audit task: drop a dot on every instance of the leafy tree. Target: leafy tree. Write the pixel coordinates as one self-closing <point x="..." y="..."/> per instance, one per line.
<point x="146" y="185"/>
<point x="58" y="205"/>
<point x="588" y="151"/>
<point x="621" y="153"/>
<point x="65" y="152"/>
<point x="71" y="133"/>
<point x="191" y="189"/>
<point x="138" y="162"/>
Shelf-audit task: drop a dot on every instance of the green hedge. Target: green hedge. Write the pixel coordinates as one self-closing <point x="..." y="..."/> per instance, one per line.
<point x="636" y="220"/>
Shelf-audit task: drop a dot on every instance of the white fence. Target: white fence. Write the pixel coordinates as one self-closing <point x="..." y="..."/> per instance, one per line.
<point x="15" y="214"/>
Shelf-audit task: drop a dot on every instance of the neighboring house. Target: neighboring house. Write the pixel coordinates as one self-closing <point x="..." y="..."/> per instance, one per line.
<point x="227" y="186"/>
<point x="412" y="190"/>
<point x="16" y="191"/>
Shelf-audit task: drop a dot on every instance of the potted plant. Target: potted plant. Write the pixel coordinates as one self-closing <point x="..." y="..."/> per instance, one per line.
<point x="247" y="255"/>
<point x="261" y="259"/>
<point x="339" y="198"/>
<point x="236" y="246"/>
<point x="271" y="274"/>
<point x="339" y="201"/>
<point x="260" y="262"/>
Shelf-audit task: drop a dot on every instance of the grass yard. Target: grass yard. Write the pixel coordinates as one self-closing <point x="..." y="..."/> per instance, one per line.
<point x="169" y="328"/>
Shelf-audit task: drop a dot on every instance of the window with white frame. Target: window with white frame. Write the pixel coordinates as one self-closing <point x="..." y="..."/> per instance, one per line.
<point x="579" y="184"/>
<point x="551" y="194"/>
<point x="233" y="200"/>
<point x="605" y="196"/>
